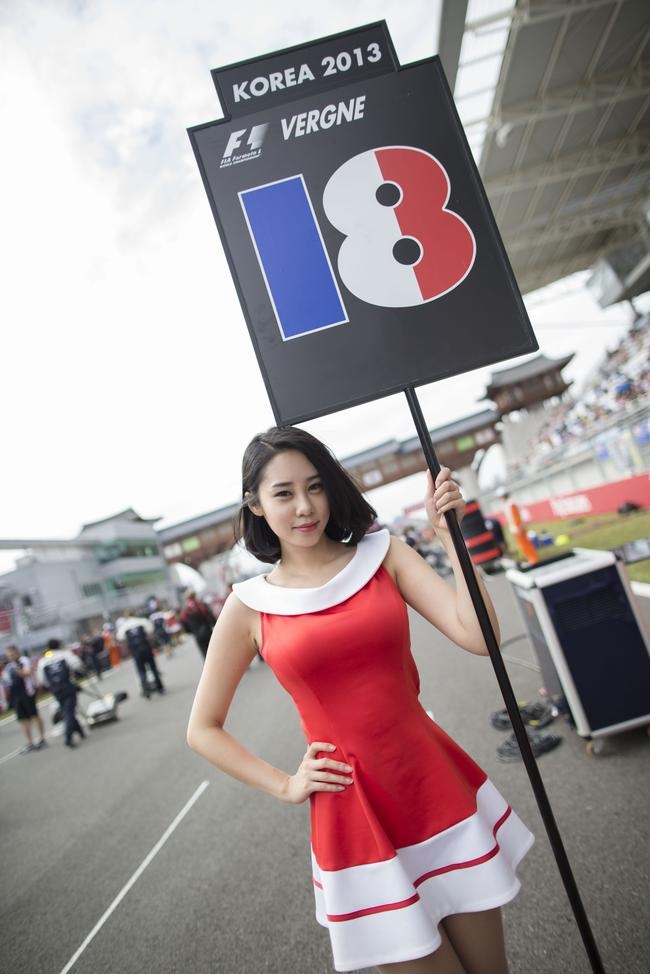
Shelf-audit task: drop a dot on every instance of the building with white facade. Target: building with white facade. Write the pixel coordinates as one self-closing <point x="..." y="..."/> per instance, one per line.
<point x="67" y="588"/>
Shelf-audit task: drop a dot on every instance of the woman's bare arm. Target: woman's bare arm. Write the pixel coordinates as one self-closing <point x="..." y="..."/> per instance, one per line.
<point x="231" y="650"/>
<point x="447" y="608"/>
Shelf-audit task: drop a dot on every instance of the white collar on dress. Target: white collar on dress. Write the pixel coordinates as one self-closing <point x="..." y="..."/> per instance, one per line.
<point x="262" y="596"/>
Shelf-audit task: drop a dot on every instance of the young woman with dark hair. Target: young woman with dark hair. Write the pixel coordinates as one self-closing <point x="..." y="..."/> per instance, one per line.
<point x="413" y="849"/>
<point x="350" y="514"/>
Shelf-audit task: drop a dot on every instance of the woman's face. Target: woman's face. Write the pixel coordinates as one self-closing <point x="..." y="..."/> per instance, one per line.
<point x="292" y="499"/>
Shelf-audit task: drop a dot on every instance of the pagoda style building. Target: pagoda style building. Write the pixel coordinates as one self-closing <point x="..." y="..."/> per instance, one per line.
<point x="524" y="396"/>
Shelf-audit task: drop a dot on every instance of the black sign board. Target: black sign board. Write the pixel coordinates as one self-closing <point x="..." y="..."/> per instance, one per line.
<point x="360" y="239"/>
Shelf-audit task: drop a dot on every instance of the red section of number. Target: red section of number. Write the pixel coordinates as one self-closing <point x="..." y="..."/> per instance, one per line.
<point x="448" y="246"/>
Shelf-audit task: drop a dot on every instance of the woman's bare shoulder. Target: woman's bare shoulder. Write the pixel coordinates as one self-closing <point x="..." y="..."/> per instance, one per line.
<point x="237" y="612"/>
<point x="397" y="551"/>
<point x="241" y="620"/>
<point x="396" y="547"/>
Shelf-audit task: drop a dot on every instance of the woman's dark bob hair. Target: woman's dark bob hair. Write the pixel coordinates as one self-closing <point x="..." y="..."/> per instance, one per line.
<point x="350" y="514"/>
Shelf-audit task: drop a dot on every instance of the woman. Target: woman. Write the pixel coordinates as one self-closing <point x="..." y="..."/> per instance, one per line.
<point x="413" y="849"/>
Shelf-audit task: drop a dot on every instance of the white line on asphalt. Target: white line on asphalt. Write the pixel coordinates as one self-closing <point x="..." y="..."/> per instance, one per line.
<point x="136" y="875"/>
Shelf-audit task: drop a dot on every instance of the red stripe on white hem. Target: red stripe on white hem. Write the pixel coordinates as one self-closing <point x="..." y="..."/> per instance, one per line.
<point x="385" y="907"/>
<point x="470" y="862"/>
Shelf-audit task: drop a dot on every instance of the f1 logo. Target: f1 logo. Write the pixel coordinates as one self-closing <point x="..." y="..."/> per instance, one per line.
<point x="253" y="142"/>
<point x="402" y="246"/>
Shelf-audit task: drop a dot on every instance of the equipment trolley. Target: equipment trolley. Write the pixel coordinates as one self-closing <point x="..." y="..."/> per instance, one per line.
<point x="589" y="639"/>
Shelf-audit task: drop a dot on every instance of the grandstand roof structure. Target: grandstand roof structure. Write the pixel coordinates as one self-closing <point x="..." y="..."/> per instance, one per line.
<point x="563" y="146"/>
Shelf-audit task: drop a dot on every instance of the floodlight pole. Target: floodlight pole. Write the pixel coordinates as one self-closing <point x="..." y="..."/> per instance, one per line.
<point x="510" y="700"/>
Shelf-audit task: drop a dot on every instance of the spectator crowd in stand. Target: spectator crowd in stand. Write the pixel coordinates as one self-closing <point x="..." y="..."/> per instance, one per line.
<point x="620" y="383"/>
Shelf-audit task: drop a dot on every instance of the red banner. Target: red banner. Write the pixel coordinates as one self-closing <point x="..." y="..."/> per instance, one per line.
<point x="5" y="620"/>
<point x="594" y="500"/>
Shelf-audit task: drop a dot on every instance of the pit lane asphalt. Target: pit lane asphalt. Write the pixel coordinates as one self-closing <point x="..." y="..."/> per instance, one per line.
<point x="229" y="890"/>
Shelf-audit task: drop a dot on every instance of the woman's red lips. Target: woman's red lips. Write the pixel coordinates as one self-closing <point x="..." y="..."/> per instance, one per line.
<point x="307" y="527"/>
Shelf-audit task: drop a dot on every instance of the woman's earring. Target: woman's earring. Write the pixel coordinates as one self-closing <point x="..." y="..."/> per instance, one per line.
<point x="251" y="504"/>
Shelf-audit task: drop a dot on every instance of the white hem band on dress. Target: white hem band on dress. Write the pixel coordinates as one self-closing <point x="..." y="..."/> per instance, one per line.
<point x="371" y="908"/>
<point x="258" y="594"/>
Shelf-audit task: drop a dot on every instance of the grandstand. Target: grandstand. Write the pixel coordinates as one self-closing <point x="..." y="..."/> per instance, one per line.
<point x="618" y="388"/>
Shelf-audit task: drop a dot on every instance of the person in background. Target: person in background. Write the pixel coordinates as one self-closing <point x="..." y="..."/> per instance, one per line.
<point x="89" y="654"/>
<point x="173" y="626"/>
<point x="517" y="529"/>
<point x="98" y="648"/>
<point x="56" y="671"/>
<point x="4" y="703"/>
<point x="494" y="525"/>
<point x="110" y="645"/>
<point x="141" y="650"/>
<point x="21" y="695"/>
<point x="161" y="635"/>
<point x="197" y="619"/>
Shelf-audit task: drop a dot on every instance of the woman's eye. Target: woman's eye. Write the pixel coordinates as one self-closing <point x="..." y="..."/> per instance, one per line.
<point x="282" y="493"/>
<point x="314" y="487"/>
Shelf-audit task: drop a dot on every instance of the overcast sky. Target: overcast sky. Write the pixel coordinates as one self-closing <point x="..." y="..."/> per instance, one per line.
<point x="128" y="378"/>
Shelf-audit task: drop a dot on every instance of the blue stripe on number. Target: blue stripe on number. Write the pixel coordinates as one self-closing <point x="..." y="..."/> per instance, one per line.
<point x="296" y="267"/>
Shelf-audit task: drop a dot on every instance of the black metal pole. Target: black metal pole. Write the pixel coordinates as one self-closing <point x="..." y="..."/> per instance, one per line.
<point x="509" y="698"/>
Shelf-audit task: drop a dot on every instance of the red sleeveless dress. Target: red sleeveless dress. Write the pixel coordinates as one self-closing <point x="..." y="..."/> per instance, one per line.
<point x="422" y="833"/>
